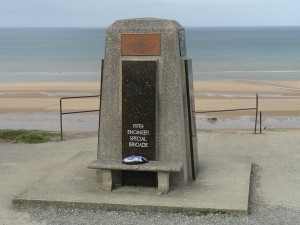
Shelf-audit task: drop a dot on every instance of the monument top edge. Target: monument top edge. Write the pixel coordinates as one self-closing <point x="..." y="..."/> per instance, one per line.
<point x="145" y="23"/>
<point x="146" y="18"/>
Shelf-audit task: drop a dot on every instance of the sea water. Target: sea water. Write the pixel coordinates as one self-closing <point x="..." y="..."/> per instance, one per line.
<point x="218" y="53"/>
<point x="51" y="54"/>
<point x="255" y="53"/>
<point x="74" y="54"/>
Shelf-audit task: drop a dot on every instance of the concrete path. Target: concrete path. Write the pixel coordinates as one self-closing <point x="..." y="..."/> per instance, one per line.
<point x="276" y="153"/>
<point x="22" y="165"/>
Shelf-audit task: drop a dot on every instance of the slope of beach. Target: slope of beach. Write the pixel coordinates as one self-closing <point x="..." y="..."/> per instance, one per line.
<point x="277" y="99"/>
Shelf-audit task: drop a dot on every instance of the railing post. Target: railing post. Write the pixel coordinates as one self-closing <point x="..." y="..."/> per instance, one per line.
<point x="256" y="113"/>
<point x="61" y="133"/>
<point x="260" y="122"/>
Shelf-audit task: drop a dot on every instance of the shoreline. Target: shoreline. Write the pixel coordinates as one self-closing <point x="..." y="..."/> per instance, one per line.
<point x="278" y="100"/>
<point x="89" y="122"/>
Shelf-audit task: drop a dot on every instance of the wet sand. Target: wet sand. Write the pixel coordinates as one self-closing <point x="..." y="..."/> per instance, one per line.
<point x="276" y="100"/>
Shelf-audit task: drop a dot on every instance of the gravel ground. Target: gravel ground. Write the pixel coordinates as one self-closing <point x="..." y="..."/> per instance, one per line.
<point x="259" y="213"/>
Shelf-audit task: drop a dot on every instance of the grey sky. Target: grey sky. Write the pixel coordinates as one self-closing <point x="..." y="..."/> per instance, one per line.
<point x="100" y="13"/>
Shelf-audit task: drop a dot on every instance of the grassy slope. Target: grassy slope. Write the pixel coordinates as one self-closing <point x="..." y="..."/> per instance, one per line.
<point x="27" y="136"/>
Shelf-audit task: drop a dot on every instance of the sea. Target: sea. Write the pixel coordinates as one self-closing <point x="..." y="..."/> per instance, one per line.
<point x="218" y="53"/>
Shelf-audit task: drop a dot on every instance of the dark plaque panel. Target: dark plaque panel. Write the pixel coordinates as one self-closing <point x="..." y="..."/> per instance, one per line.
<point x="138" y="108"/>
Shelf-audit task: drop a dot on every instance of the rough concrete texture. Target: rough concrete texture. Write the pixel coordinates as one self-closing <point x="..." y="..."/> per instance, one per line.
<point x="170" y="122"/>
<point x="223" y="185"/>
<point x="276" y="152"/>
<point x="167" y="78"/>
<point x="21" y="165"/>
<point x="275" y="197"/>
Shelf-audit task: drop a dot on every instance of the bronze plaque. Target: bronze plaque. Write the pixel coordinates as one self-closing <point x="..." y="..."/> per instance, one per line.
<point x="140" y="44"/>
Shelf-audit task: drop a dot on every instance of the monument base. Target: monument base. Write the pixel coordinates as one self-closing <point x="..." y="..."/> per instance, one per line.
<point x="151" y="174"/>
<point x="221" y="186"/>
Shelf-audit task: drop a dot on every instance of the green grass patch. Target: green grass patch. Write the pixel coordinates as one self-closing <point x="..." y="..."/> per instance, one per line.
<point x="27" y="136"/>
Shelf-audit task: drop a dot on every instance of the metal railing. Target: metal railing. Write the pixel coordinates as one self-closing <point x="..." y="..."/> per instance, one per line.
<point x="240" y="109"/>
<point x="98" y="110"/>
<point x="73" y="112"/>
<point x="260" y="119"/>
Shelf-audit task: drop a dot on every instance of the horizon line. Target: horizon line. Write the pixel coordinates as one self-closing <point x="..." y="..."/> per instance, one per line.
<point x="189" y="26"/>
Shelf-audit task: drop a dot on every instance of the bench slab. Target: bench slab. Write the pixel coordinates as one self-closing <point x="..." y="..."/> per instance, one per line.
<point x="151" y="166"/>
<point x="163" y="170"/>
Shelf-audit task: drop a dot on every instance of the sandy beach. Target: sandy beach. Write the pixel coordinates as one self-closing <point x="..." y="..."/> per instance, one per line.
<point x="44" y="97"/>
<point x="276" y="98"/>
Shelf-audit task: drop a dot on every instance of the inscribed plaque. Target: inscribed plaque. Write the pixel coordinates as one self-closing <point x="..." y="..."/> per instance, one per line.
<point x="138" y="108"/>
<point x="140" y="44"/>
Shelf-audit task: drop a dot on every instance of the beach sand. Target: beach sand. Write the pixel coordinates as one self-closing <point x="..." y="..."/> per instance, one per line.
<point x="276" y="98"/>
<point x="44" y="97"/>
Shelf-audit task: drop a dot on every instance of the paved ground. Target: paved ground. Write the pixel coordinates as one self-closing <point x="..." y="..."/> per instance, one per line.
<point x="21" y="165"/>
<point x="275" y="183"/>
<point x="75" y="185"/>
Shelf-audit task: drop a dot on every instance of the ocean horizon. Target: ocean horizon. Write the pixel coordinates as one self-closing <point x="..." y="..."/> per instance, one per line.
<point x="218" y="53"/>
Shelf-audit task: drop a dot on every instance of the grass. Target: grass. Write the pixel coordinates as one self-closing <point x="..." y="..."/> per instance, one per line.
<point x="27" y="136"/>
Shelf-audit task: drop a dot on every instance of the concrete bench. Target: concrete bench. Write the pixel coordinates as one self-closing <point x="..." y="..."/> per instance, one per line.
<point x="163" y="170"/>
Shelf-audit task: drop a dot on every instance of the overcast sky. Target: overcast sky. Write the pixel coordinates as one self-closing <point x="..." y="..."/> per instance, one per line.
<point x="102" y="13"/>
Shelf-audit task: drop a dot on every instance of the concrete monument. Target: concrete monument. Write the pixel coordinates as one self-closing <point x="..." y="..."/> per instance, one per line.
<point x="147" y="106"/>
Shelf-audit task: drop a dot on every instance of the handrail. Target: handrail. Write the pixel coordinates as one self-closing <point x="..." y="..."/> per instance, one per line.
<point x="226" y="110"/>
<point x="241" y="109"/>
<point x="82" y="96"/>
<point x="73" y="112"/>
